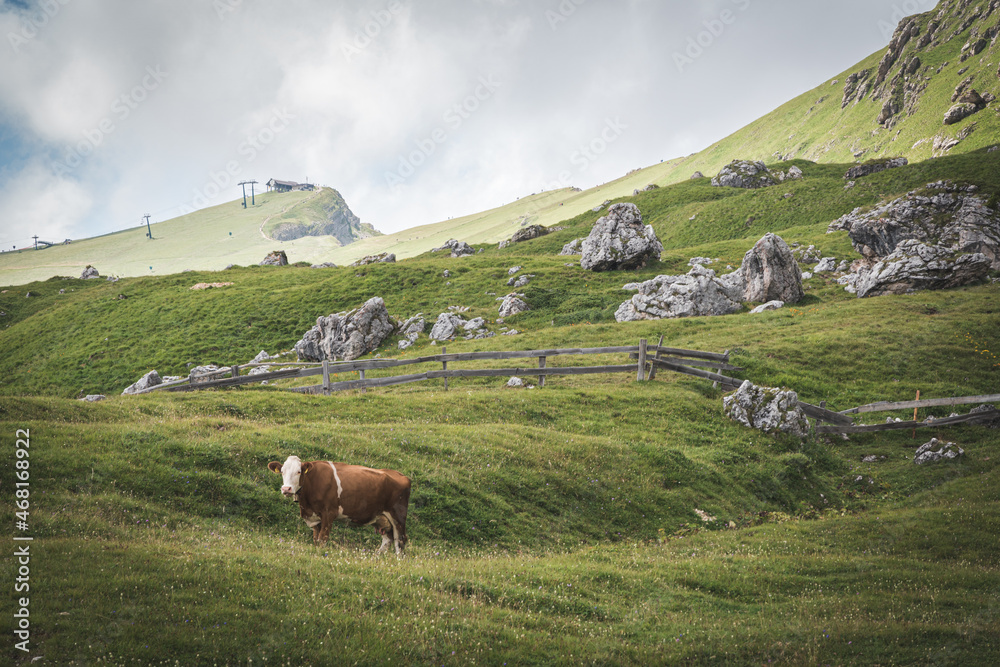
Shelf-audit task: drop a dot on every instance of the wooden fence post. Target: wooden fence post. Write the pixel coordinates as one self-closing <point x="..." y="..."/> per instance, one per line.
<point x="444" y="367"/>
<point x="641" y="375"/>
<point x="235" y="371"/>
<point x="652" y="370"/>
<point x="361" y="375"/>
<point x="326" y="377"/>
<point x="541" y="378"/>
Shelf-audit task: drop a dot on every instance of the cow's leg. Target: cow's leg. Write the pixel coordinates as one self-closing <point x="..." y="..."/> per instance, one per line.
<point x="385" y="545"/>
<point x="323" y="535"/>
<point x="398" y="541"/>
<point x="397" y="516"/>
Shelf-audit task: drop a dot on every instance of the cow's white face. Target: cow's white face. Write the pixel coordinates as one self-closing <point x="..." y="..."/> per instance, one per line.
<point x="291" y="472"/>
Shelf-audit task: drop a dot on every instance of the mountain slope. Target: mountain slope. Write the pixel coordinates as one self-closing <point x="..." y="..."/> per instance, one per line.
<point x="324" y="215"/>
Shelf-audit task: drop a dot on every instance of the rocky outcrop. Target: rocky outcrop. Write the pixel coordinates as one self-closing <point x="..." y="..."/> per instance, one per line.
<point x="698" y="293"/>
<point x="520" y="281"/>
<point x="456" y="248"/>
<point x="744" y="174"/>
<point x="446" y="326"/>
<point x="384" y="257"/>
<point x="875" y="167"/>
<point x="935" y="450"/>
<point x="411" y="330"/>
<point x="347" y="335"/>
<point x="767" y="409"/>
<point x="620" y="241"/>
<point x="942" y="214"/>
<point x="512" y="304"/>
<point x="275" y="258"/>
<point x="89" y="273"/>
<point x="526" y="234"/>
<point x="916" y="266"/>
<point x="770" y="273"/>
<point x="150" y="379"/>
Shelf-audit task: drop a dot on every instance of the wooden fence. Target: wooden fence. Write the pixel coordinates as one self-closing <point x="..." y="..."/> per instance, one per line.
<point x="648" y="358"/>
<point x="841" y="422"/>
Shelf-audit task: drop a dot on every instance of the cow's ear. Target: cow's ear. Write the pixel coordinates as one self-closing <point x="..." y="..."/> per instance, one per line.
<point x="274" y="466"/>
<point x="306" y="467"/>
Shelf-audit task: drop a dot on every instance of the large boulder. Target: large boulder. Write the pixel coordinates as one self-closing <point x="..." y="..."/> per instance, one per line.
<point x="89" y="273"/>
<point x="744" y="174"/>
<point x="767" y="409"/>
<point x="150" y="379"/>
<point x="446" y="326"/>
<point x="574" y="247"/>
<point x="512" y="304"/>
<point x="698" y="293"/>
<point x="620" y="241"/>
<point x="347" y="335"/>
<point x="770" y="272"/>
<point x="935" y="450"/>
<point x="275" y="258"/>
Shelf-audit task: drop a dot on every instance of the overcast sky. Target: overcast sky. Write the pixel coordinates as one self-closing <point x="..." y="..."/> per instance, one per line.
<point x="415" y="110"/>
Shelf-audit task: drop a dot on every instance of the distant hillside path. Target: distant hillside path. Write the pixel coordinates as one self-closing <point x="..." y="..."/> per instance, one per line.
<point x="285" y="210"/>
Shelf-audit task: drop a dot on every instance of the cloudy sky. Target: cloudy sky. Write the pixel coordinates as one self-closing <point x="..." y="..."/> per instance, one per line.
<point x="416" y="110"/>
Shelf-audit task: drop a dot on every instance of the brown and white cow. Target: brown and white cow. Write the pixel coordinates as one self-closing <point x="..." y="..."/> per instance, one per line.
<point x="357" y="495"/>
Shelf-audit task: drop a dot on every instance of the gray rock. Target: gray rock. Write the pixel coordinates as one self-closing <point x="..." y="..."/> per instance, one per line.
<point x="696" y="175"/>
<point x="403" y="344"/>
<point x="515" y="382"/>
<point x="826" y="265"/>
<point x="767" y="409"/>
<point x="806" y="275"/>
<point x="150" y="379"/>
<point x="520" y="281"/>
<point x="959" y="112"/>
<point x="261" y="357"/>
<point x="457" y="248"/>
<point x="260" y="370"/>
<point x="874" y="167"/>
<point x="620" y="241"/>
<point x="770" y="272"/>
<point x="916" y="266"/>
<point x="703" y="261"/>
<point x="275" y="258"/>
<point x="347" y="335"/>
<point x="574" y="247"/>
<point x="698" y="293"/>
<point x="413" y="327"/>
<point x="514" y="269"/>
<point x="93" y="398"/>
<point x="512" y="304"/>
<point x="385" y="257"/>
<point x="446" y="273"/>
<point x="808" y="255"/>
<point x="526" y="234"/>
<point x="89" y="273"/>
<point x="744" y="174"/>
<point x="945" y="450"/>
<point x="324" y="265"/>
<point x="770" y="305"/>
<point x="446" y="326"/>
<point x="993" y="418"/>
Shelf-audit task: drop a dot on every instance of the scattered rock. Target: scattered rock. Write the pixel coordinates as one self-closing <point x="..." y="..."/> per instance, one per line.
<point x="875" y="167"/>
<point x="993" y="421"/>
<point x="347" y="335"/>
<point x="770" y="305"/>
<point x="767" y="409"/>
<point x="384" y="257"/>
<point x="446" y="326"/>
<point x="261" y="357"/>
<point x="925" y="453"/>
<point x="324" y="265"/>
<point x="744" y="174"/>
<point x="515" y="382"/>
<point x="826" y="265"/>
<point x="620" y="241"/>
<point x="703" y="261"/>
<point x="514" y="269"/>
<point x="696" y="175"/>
<point x="93" y="398"/>
<point x="520" y="281"/>
<point x="446" y="273"/>
<point x="201" y="286"/>
<point x="512" y="304"/>
<point x="150" y="379"/>
<point x="275" y="258"/>
<point x="89" y="273"/>
<point x="413" y="327"/>
<point x="960" y="112"/>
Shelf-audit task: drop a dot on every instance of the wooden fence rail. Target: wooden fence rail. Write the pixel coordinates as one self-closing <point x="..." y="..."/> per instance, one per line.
<point x="679" y="361"/>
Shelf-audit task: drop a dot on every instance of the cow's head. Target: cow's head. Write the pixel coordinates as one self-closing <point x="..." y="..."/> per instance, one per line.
<point x="291" y="472"/>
